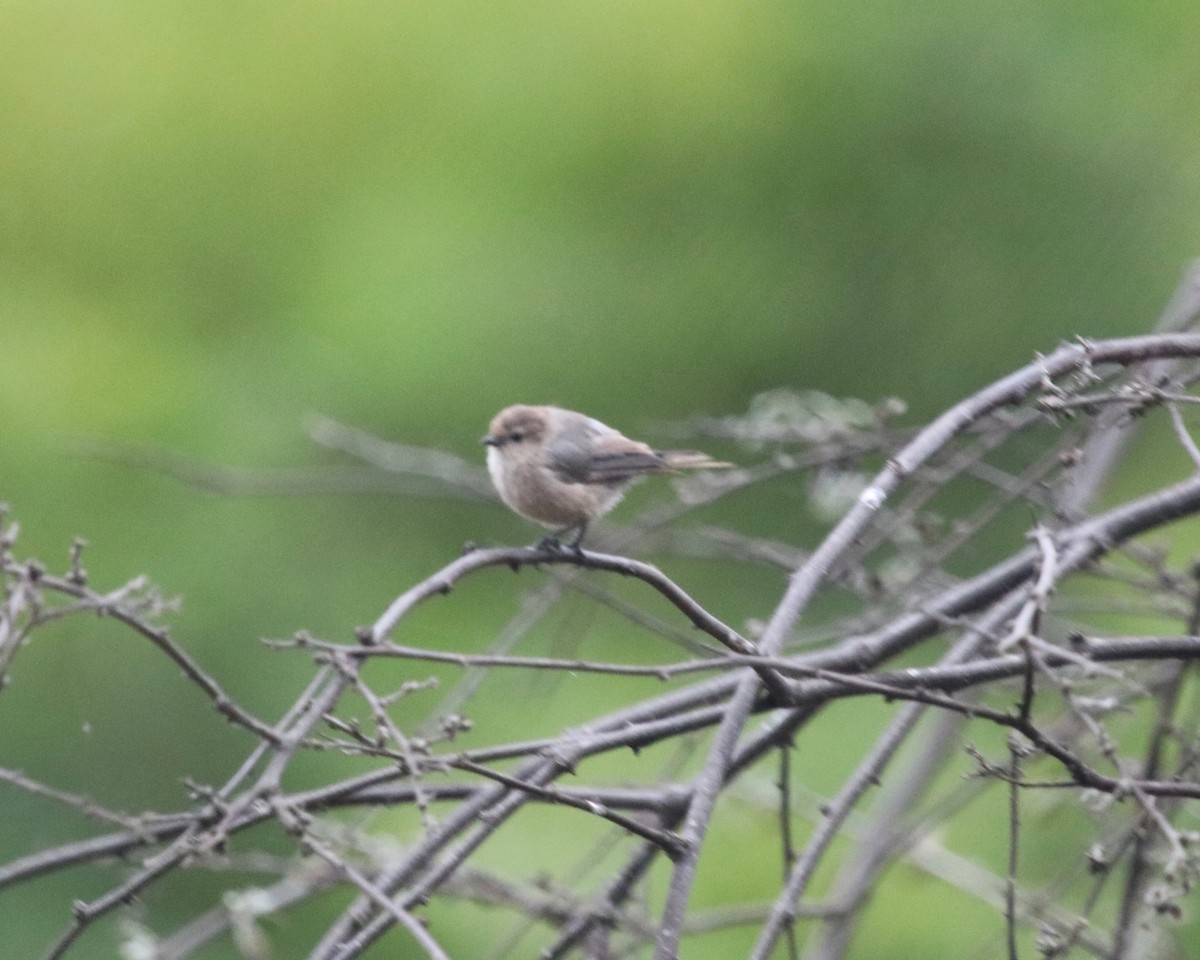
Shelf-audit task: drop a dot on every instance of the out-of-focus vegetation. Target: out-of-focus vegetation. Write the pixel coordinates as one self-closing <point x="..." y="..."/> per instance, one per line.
<point x="216" y="219"/>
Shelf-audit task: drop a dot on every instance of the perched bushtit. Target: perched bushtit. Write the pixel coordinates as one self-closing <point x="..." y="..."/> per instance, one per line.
<point x="563" y="469"/>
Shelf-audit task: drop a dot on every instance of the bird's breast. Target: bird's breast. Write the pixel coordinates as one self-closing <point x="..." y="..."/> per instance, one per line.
<point x="539" y="494"/>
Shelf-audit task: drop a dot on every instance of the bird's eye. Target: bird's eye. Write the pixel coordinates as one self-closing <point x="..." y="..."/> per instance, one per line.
<point x="516" y="436"/>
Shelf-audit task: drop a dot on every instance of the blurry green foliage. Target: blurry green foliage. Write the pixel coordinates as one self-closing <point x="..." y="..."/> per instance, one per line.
<point x="217" y="218"/>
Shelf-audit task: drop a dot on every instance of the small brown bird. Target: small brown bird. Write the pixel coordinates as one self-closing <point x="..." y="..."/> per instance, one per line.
<point x="563" y="469"/>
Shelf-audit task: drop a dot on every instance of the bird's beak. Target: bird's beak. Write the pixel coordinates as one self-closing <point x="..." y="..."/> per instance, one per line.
<point x="489" y="441"/>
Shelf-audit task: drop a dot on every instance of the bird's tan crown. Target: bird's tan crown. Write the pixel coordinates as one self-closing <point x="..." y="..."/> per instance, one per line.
<point x="518" y="423"/>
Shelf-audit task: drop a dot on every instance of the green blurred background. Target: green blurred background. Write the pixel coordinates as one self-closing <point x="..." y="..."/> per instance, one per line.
<point x="217" y="219"/>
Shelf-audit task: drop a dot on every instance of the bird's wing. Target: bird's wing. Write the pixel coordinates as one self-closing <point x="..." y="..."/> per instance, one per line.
<point x="589" y="452"/>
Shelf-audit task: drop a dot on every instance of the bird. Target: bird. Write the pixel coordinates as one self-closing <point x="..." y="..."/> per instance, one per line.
<point x="564" y="469"/>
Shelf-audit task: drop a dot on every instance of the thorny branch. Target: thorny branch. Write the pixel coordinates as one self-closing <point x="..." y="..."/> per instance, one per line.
<point x="996" y="647"/>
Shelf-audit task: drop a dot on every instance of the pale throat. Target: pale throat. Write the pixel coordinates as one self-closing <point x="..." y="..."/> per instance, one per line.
<point x="496" y="471"/>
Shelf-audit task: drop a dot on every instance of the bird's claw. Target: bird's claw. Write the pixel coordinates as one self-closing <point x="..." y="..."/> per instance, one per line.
<point x="552" y="544"/>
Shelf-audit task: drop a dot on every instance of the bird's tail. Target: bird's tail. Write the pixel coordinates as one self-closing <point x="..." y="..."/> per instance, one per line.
<point x="691" y="460"/>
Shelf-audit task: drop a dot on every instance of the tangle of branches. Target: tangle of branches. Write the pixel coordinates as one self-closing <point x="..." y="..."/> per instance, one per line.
<point x="928" y="608"/>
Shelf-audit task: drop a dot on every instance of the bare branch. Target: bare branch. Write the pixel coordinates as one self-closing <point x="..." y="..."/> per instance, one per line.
<point x="909" y="602"/>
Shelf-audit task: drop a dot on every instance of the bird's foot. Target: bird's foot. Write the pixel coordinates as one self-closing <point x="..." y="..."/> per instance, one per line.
<point x="553" y="544"/>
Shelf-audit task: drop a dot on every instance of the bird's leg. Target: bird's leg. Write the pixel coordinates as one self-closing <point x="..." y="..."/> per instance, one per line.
<point x="554" y="543"/>
<point x="578" y="539"/>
